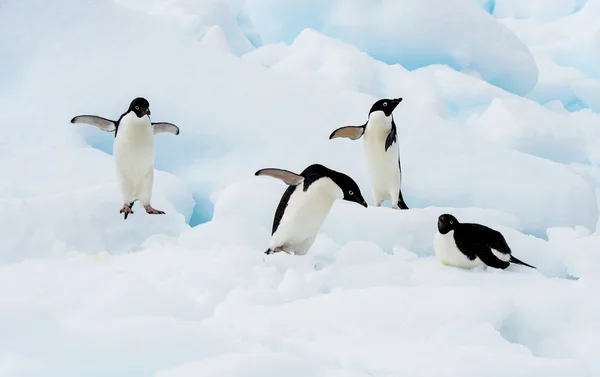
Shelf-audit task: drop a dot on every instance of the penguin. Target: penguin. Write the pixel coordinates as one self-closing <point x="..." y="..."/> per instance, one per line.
<point x="381" y="151"/>
<point x="305" y="204"/>
<point x="467" y="245"/>
<point x="133" y="151"/>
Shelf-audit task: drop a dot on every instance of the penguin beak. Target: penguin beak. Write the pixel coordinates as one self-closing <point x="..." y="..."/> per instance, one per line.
<point x="148" y="111"/>
<point x="363" y="203"/>
<point x="395" y="102"/>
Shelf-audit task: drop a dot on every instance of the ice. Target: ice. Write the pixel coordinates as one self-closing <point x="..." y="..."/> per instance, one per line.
<point x="530" y="128"/>
<point x="541" y="10"/>
<point x="393" y="31"/>
<point x="254" y="84"/>
<point x="201" y="19"/>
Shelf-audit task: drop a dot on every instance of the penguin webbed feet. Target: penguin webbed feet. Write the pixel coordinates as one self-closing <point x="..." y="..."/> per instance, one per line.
<point x="153" y="211"/>
<point x="126" y="210"/>
<point x="276" y="250"/>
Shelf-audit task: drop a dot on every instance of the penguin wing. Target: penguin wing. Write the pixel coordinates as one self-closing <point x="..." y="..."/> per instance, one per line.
<point x="476" y="240"/>
<point x="351" y="132"/>
<point x="486" y="255"/>
<point x="283" y="202"/>
<point x="102" y="123"/>
<point x="286" y="176"/>
<point x="392" y="137"/>
<point x="164" y="127"/>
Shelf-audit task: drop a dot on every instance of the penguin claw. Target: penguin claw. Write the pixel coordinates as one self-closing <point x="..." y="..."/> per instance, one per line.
<point x="153" y="211"/>
<point x="126" y="210"/>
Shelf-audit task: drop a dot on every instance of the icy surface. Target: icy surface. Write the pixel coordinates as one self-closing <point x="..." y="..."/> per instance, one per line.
<point x="259" y="83"/>
<point x="414" y="34"/>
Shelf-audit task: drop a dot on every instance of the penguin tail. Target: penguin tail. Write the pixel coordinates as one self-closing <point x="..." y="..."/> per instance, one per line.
<point x="401" y="203"/>
<point x="516" y="261"/>
<point x="269" y="251"/>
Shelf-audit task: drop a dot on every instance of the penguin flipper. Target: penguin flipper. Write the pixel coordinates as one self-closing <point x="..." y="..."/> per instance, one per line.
<point x="486" y="255"/>
<point x="392" y="137"/>
<point x="351" y="132"/>
<point x="102" y="123"/>
<point x="165" y="127"/>
<point x="286" y="176"/>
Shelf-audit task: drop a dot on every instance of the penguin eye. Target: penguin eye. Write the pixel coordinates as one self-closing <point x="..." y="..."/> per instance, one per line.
<point x="137" y="107"/>
<point x="451" y="222"/>
<point x="350" y="192"/>
<point x="384" y="104"/>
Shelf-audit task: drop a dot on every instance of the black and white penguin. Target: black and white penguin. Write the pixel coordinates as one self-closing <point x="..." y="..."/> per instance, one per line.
<point x="469" y="245"/>
<point x="381" y="150"/>
<point x="133" y="151"/>
<point x="305" y="205"/>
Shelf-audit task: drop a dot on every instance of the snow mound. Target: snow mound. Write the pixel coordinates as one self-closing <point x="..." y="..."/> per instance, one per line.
<point x="536" y="9"/>
<point x="530" y="128"/>
<point x="77" y="207"/>
<point x="393" y="31"/>
<point x="207" y="20"/>
<point x="323" y="59"/>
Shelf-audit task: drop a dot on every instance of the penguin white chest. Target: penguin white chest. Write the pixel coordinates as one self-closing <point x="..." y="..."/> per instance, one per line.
<point x="304" y="214"/>
<point x="134" y="146"/>
<point x="449" y="254"/>
<point x="383" y="165"/>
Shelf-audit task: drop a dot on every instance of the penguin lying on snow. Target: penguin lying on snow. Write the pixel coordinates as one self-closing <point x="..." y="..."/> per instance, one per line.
<point x="468" y="245"/>
<point x="133" y="151"/>
<point x="382" y="156"/>
<point x="305" y="205"/>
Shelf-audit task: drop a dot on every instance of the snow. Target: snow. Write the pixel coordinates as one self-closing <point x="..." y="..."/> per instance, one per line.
<point x="254" y="84"/>
<point x="413" y="34"/>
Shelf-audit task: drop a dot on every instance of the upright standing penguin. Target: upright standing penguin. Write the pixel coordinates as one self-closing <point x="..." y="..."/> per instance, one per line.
<point x="468" y="245"/>
<point x="133" y="151"/>
<point x="305" y="205"/>
<point x="381" y="150"/>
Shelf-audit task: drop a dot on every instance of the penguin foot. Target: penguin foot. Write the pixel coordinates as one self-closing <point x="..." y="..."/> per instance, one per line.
<point x="276" y="250"/>
<point x="153" y="211"/>
<point x="126" y="210"/>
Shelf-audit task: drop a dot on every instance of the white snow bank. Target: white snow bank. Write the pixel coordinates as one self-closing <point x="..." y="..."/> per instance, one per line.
<point x="539" y="10"/>
<point x="528" y="127"/>
<point x="457" y="33"/>
<point x="345" y="310"/>
<point x="51" y="211"/>
<point x="203" y="19"/>
<point x="245" y="364"/>
<point x="323" y="59"/>
<point x="572" y="40"/>
<point x="456" y="169"/>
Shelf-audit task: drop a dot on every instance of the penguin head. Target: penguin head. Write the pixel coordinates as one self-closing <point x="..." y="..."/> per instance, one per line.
<point x="349" y="188"/>
<point x="446" y="223"/>
<point x="385" y="105"/>
<point x="140" y="107"/>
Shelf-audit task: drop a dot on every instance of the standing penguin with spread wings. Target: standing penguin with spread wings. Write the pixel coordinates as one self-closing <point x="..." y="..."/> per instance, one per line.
<point x="381" y="150"/>
<point x="305" y="205"/>
<point x="133" y="151"/>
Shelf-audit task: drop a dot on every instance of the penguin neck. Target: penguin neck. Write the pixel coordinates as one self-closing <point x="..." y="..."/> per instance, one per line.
<point x="327" y="189"/>
<point x="133" y="119"/>
<point x="379" y="122"/>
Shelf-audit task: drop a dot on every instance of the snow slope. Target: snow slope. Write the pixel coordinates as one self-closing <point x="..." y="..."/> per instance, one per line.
<point x="254" y="84"/>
